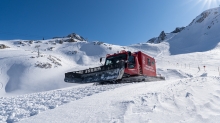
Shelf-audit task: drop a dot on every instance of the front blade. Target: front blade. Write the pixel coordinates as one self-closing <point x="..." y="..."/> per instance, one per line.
<point x="99" y="76"/>
<point x="72" y="77"/>
<point x="107" y="75"/>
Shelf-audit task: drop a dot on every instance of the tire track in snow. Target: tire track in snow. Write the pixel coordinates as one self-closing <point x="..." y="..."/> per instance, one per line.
<point x="13" y="109"/>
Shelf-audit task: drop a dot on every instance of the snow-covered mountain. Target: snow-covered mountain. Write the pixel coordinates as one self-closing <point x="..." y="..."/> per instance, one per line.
<point x="32" y="88"/>
<point x="202" y="34"/>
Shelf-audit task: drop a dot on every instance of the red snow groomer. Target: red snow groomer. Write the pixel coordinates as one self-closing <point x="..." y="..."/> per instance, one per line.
<point x="119" y="67"/>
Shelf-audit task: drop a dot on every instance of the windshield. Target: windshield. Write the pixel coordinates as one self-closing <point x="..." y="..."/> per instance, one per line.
<point x="115" y="59"/>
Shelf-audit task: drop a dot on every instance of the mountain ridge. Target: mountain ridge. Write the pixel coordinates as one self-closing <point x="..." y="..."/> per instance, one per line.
<point x="200" y="35"/>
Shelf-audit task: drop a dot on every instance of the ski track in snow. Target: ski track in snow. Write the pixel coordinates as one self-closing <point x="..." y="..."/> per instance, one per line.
<point x="13" y="109"/>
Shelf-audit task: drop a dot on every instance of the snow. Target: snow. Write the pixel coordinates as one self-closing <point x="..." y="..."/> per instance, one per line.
<point x="201" y="35"/>
<point x="24" y="106"/>
<point x="32" y="87"/>
<point x="186" y="100"/>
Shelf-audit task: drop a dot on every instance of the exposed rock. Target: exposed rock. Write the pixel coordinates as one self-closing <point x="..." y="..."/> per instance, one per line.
<point x="50" y="48"/>
<point x="31" y="42"/>
<point x="2" y="46"/>
<point x="97" y="43"/>
<point x="59" y="41"/>
<point x="71" y="52"/>
<point x="178" y="29"/>
<point x="19" y="42"/>
<point x="54" y="60"/>
<point x="75" y="36"/>
<point x="70" y="40"/>
<point x="161" y="36"/>
<point x="38" y="42"/>
<point x="152" y="40"/>
<point x="158" y="39"/>
<point x="192" y="22"/>
<point x="43" y="65"/>
<point x="203" y="16"/>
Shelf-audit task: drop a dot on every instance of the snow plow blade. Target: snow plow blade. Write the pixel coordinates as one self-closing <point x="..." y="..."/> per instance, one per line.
<point x="97" y="74"/>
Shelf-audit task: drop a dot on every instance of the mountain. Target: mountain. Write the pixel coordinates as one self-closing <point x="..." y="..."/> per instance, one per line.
<point x="202" y="34"/>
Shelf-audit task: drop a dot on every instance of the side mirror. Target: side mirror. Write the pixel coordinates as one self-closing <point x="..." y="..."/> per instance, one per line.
<point x="100" y="59"/>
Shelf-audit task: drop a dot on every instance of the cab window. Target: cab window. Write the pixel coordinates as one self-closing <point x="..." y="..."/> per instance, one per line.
<point x="148" y="62"/>
<point x="131" y="62"/>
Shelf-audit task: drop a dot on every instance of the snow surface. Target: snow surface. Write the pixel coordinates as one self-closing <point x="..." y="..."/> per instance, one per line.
<point x="32" y="89"/>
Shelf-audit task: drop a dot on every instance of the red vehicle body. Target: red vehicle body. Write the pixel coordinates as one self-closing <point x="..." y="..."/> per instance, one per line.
<point x="143" y="64"/>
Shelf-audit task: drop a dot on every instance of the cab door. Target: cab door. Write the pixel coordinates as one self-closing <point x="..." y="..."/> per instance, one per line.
<point x="132" y="65"/>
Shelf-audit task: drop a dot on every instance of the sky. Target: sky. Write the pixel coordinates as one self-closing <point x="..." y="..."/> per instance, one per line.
<point x="121" y="22"/>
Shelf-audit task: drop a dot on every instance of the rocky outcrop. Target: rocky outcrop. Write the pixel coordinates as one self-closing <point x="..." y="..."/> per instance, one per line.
<point x="2" y="46"/>
<point x="161" y="36"/>
<point x="158" y="39"/>
<point x="203" y="16"/>
<point x="75" y="36"/>
<point x="178" y="29"/>
<point x="152" y="40"/>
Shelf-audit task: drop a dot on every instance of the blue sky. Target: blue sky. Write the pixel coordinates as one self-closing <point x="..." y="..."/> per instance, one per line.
<point x="121" y="22"/>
